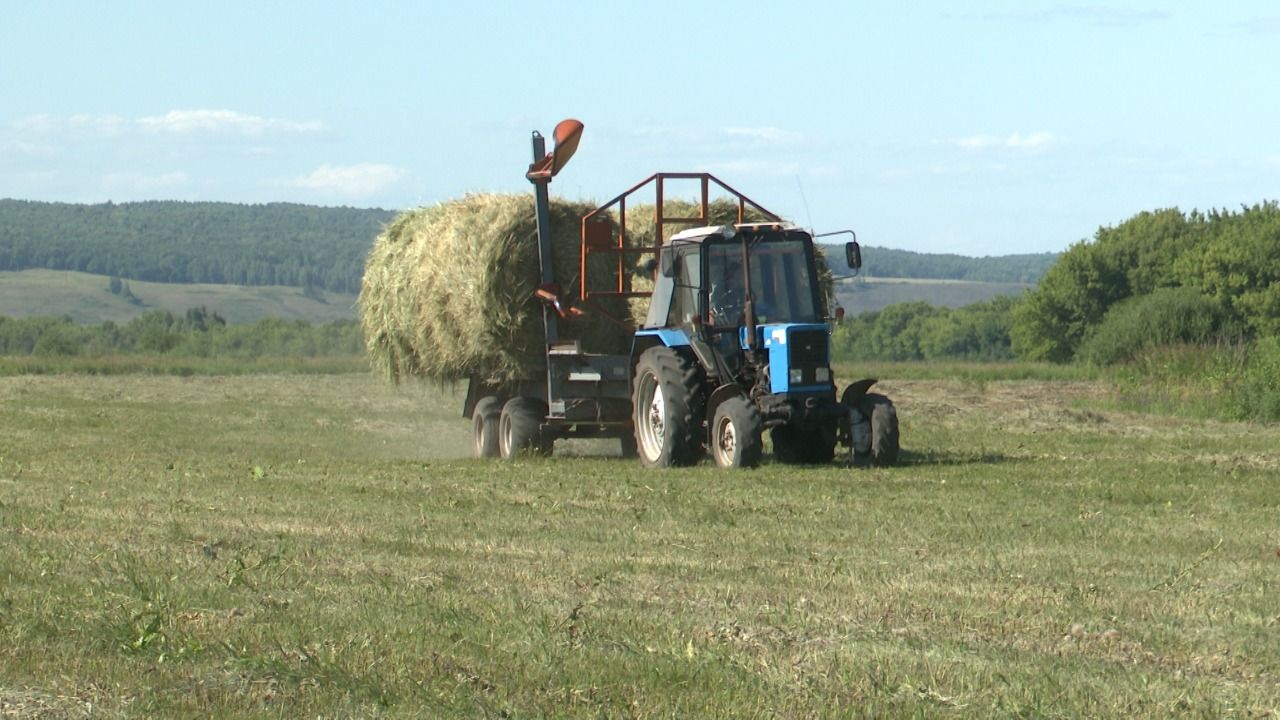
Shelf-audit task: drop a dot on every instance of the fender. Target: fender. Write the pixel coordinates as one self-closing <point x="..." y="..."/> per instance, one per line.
<point x="856" y="391"/>
<point x="722" y="393"/>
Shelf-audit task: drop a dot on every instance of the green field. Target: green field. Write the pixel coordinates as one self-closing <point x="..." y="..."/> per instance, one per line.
<point x="87" y="299"/>
<point x="319" y="546"/>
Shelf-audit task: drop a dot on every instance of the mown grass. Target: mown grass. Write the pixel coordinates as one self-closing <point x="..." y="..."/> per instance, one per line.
<point x="965" y="371"/>
<point x="316" y="546"/>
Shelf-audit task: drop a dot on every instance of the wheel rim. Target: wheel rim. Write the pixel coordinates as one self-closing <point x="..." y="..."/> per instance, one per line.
<point x="477" y="435"/>
<point x="726" y="441"/>
<point x="651" y="422"/>
<point x="504" y="436"/>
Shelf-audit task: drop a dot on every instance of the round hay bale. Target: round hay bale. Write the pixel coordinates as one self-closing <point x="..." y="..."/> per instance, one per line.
<point x="448" y="291"/>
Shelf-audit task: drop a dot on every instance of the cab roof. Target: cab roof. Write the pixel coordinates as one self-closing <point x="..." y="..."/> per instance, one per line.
<point x="699" y="234"/>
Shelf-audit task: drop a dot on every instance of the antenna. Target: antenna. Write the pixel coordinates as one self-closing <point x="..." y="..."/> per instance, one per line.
<point x="805" y="200"/>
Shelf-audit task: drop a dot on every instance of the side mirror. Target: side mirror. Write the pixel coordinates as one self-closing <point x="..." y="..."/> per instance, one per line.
<point x="667" y="263"/>
<point x="853" y="254"/>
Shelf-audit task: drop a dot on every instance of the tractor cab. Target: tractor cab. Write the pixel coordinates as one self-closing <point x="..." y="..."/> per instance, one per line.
<point x="747" y="300"/>
<point x="712" y="276"/>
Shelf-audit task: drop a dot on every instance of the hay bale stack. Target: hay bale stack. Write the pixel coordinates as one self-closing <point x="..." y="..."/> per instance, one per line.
<point x="448" y="291"/>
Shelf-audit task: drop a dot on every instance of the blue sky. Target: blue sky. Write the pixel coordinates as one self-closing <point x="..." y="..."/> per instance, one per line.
<point x="979" y="128"/>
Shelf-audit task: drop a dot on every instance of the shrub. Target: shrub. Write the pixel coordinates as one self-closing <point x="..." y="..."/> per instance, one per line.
<point x="1167" y="316"/>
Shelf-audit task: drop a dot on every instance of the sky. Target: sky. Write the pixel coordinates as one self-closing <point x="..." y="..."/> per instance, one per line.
<point x="977" y="128"/>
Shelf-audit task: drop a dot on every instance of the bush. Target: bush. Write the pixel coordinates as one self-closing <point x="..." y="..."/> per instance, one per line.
<point x="1224" y="380"/>
<point x="1259" y="394"/>
<point x="1167" y="316"/>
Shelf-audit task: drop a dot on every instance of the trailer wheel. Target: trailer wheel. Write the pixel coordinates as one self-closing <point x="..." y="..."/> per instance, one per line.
<point x="735" y="434"/>
<point x="804" y="443"/>
<point x="484" y="427"/>
<point x="878" y="411"/>
<point x="667" y="404"/>
<point x="520" y="428"/>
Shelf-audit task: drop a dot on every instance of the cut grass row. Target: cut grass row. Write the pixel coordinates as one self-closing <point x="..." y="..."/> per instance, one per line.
<point x="312" y="545"/>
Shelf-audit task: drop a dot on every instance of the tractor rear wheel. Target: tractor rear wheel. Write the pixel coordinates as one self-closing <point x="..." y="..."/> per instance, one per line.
<point x="668" y="403"/>
<point x="879" y="418"/>
<point x="735" y="434"/>
<point x="484" y="427"/>
<point x="520" y="428"/>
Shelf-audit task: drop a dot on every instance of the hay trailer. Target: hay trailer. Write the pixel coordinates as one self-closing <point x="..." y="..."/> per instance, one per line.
<point x="735" y="341"/>
<point x="582" y="394"/>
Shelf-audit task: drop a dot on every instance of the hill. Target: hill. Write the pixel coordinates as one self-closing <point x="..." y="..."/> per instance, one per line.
<point x="299" y="261"/>
<point x="87" y="299"/>
<point x="867" y="294"/>
<point x="193" y="242"/>
<point x="879" y="262"/>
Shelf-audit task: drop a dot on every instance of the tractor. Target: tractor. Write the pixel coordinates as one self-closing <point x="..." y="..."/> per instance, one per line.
<point x="736" y="341"/>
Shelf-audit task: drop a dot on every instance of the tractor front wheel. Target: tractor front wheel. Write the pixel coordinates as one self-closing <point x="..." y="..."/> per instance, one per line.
<point x="520" y="428"/>
<point x="735" y="434"/>
<point x="875" y="431"/>
<point x="667" y="405"/>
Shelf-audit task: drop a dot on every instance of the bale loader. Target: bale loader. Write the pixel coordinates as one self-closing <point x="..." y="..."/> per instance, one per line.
<point x="736" y="341"/>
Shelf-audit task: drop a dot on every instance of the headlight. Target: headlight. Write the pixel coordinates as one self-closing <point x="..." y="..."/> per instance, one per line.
<point x="822" y="375"/>
<point x="797" y="376"/>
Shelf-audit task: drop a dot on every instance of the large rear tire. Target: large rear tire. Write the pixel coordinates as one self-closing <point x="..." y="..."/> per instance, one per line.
<point x="667" y="403"/>
<point x="520" y="428"/>
<point x="878" y="411"/>
<point x="484" y="427"/>
<point x="735" y="434"/>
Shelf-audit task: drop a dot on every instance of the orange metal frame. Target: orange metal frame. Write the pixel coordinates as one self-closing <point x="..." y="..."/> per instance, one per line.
<point x="598" y="232"/>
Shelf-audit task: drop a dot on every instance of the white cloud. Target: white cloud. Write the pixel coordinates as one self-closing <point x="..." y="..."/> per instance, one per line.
<point x="765" y="135"/>
<point x="742" y="168"/>
<point x="174" y="122"/>
<point x="1097" y="14"/>
<point x="100" y="125"/>
<point x="359" y="180"/>
<point x="33" y="123"/>
<point x="1016" y="141"/>
<point x="29" y="149"/>
<point x="143" y="183"/>
<point x="193" y="121"/>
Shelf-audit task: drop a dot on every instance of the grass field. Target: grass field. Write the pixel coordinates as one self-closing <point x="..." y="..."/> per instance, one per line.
<point x="86" y="299"/>
<point x="318" y="546"/>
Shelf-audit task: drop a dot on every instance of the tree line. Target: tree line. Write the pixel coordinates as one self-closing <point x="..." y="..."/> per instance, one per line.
<point x="196" y="333"/>
<point x="1180" y="304"/>
<point x="890" y="263"/>
<point x="193" y="242"/>
<point x="304" y="245"/>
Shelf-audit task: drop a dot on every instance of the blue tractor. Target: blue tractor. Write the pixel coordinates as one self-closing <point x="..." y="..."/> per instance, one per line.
<point x="736" y="341"/>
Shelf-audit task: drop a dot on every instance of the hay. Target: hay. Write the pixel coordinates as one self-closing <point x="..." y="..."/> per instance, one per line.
<point x="448" y="291"/>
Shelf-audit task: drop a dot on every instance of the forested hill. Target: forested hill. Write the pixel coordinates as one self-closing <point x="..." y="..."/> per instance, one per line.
<point x="193" y="242"/>
<point x="888" y="263"/>
<point x="309" y="246"/>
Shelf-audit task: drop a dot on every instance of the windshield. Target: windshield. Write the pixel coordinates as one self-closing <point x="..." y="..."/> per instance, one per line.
<point x="781" y="286"/>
